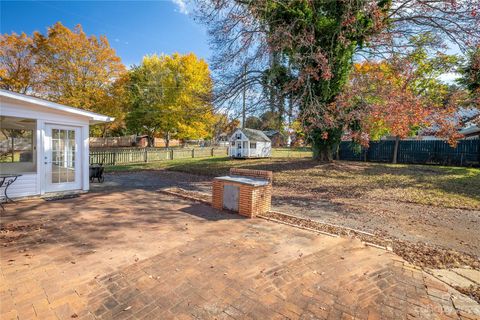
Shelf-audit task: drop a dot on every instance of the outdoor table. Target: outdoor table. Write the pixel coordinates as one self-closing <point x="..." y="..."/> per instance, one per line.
<point x="5" y="181"/>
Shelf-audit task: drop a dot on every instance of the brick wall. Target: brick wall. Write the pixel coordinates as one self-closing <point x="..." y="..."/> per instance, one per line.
<point x="263" y="174"/>
<point x="252" y="200"/>
<point x="217" y="194"/>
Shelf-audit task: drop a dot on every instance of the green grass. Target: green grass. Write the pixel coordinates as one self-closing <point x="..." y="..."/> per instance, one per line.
<point x="454" y="187"/>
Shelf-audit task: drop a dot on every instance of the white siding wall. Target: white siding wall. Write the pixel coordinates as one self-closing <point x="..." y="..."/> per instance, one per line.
<point x="264" y="149"/>
<point x="34" y="183"/>
<point x="26" y="185"/>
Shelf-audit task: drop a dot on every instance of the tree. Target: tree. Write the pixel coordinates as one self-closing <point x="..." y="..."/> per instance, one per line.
<point x="317" y="38"/>
<point x="65" y="66"/>
<point x="253" y="122"/>
<point x="170" y="96"/>
<point x="17" y="63"/>
<point x="450" y="22"/>
<point x="470" y="80"/>
<point x="401" y="96"/>
<point x="318" y="41"/>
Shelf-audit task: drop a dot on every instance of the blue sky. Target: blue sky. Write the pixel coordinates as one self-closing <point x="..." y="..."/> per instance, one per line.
<point x="134" y="28"/>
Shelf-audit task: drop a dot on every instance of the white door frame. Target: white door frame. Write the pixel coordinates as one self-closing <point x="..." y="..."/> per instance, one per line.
<point x="50" y="186"/>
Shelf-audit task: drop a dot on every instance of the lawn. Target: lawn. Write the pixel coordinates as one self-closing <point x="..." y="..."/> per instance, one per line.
<point x="449" y="187"/>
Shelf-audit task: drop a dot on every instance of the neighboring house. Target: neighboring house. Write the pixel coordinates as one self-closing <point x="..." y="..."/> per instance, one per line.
<point x="222" y="140"/>
<point x="249" y="143"/>
<point x="278" y="139"/>
<point x="47" y="143"/>
<point x="141" y="141"/>
<point x="471" y="132"/>
<point x="112" y="142"/>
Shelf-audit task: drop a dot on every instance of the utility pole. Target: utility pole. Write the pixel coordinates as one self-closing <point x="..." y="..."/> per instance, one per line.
<point x="244" y="96"/>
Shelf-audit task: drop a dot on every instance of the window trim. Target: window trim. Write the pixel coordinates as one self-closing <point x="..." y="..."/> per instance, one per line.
<point x="11" y="146"/>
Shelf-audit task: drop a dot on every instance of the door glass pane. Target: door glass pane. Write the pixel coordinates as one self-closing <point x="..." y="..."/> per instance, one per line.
<point x="63" y="155"/>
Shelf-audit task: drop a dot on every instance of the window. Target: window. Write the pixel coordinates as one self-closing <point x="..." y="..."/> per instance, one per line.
<point x="239" y="136"/>
<point x="253" y="145"/>
<point x="233" y="143"/>
<point x="16" y="145"/>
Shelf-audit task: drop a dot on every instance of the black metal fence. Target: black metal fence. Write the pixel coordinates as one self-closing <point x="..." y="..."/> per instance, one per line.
<point x="466" y="153"/>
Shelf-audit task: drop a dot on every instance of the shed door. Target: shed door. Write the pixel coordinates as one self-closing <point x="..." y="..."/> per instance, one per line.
<point x="230" y="197"/>
<point x="62" y="158"/>
<point x="239" y="149"/>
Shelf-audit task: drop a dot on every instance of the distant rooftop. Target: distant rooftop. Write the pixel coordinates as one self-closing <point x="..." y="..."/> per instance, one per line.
<point x="255" y="135"/>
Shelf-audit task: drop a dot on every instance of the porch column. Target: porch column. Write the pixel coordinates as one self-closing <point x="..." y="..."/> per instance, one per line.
<point x="40" y="151"/>
<point x="85" y="156"/>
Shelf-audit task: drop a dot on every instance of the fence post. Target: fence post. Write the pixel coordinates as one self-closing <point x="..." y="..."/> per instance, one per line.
<point x="114" y="157"/>
<point x="193" y="153"/>
<point x="171" y="154"/>
<point x="478" y="149"/>
<point x="212" y="151"/>
<point x="146" y="155"/>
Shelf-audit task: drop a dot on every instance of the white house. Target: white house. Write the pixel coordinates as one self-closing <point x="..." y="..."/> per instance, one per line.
<point x="249" y="143"/>
<point x="46" y="143"/>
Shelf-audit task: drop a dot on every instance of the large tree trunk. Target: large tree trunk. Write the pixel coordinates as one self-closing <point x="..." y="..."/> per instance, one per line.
<point x="324" y="149"/>
<point x="150" y="141"/>
<point x="167" y="140"/>
<point x="104" y="130"/>
<point x="322" y="153"/>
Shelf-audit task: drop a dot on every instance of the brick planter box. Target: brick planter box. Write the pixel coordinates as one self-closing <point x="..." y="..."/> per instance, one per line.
<point x="248" y="192"/>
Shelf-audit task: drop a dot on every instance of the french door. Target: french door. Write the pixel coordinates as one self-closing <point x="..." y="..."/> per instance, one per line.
<point x="62" y="158"/>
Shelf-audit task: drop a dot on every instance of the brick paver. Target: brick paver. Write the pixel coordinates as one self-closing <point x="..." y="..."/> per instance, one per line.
<point x="144" y="255"/>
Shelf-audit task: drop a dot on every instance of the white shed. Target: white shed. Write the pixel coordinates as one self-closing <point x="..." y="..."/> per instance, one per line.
<point x="249" y="143"/>
<point x="46" y="143"/>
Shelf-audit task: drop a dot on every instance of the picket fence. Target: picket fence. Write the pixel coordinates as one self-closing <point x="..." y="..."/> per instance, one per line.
<point x="116" y="156"/>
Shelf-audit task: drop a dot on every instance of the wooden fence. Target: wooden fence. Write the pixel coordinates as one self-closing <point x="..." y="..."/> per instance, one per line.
<point x="114" y="156"/>
<point x="467" y="152"/>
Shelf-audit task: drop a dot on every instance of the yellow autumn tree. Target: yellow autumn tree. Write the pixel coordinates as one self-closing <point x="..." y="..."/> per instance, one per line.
<point x="170" y="97"/>
<point x="18" y="70"/>
<point x="65" y="66"/>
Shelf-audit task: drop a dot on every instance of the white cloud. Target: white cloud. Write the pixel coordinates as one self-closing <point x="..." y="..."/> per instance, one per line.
<point x="182" y="6"/>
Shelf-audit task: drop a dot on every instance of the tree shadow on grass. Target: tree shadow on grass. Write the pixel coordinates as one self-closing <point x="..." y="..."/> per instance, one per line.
<point x="221" y="166"/>
<point x="459" y="181"/>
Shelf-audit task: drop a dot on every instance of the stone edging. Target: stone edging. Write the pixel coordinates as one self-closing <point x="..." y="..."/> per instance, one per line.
<point x="184" y="196"/>
<point x="299" y="227"/>
<point x="326" y="224"/>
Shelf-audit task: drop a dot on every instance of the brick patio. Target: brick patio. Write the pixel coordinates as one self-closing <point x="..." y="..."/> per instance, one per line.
<point x="144" y="255"/>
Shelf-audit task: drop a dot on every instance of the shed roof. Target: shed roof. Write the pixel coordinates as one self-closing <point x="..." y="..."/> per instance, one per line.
<point x="255" y="135"/>
<point x="93" y="117"/>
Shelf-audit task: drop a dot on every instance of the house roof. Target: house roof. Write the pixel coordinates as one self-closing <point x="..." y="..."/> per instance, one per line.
<point x="470" y="130"/>
<point x="255" y="135"/>
<point x="94" y="118"/>
<point x="271" y="133"/>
